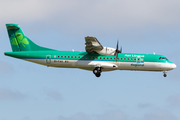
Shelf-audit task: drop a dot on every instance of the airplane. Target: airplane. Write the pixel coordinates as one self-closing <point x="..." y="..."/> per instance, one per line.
<point x="96" y="58"/>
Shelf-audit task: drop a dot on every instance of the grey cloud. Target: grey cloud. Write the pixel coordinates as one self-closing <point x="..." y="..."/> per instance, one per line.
<point x="112" y="115"/>
<point x="26" y="118"/>
<point x="78" y="116"/>
<point x="109" y="115"/>
<point x="100" y="13"/>
<point x="160" y="115"/>
<point x="6" y="94"/>
<point x="53" y="94"/>
<point x="120" y="14"/>
<point x="157" y="114"/>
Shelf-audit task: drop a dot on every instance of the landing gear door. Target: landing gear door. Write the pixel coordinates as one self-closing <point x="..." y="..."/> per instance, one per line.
<point x="48" y="59"/>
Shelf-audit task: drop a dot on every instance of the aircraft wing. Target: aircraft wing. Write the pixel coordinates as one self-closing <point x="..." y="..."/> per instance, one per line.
<point x="92" y="45"/>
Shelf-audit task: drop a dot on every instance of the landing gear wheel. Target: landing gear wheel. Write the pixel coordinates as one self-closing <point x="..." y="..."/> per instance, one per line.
<point x="98" y="74"/>
<point x="97" y="71"/>
<point x="165" y="75"/>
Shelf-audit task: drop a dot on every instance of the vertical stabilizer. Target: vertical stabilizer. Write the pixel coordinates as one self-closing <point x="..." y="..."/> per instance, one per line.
<point x="19" y="42"/>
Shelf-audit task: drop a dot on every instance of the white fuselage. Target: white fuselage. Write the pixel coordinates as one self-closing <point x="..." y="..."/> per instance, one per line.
<point x="106" y="66"/>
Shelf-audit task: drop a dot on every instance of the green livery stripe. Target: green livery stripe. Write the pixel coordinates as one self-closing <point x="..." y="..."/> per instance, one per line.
<point x="75" y="55"/>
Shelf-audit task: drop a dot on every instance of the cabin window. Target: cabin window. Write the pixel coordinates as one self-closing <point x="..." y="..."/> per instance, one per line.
<point x="54" y="56"/>
<point x="96" y="57"/>
<point x="128" y="59"/>
<point x="134" y="59"/>
<point x="93" y="57"/>
<point x="58" y="56"/>
<point x="121" y="58"/>
<point x="68" y="56"/>
<point x="78" y="56"/>
<point x="61" y="56"/>
<point x="86" y="57"/>
<point x="71" y="56"/>
<point x="100" y="58"/>
<point x="138" y="59"/>
<point x="117" y="58"/>
<point x="114" y="58"/>
<point x="111" y="58"/>
<point x="82" y="57"/>
<point x="64" y="56"/>
<point x="131" y="59"/>
<point x="107" y="58"/>
<point x="74" y="56"/>
<point x="141" y="59"/>
<point x="89" y="57"/>
<point x="124" y="58"/>
<point x="104" y="58"/>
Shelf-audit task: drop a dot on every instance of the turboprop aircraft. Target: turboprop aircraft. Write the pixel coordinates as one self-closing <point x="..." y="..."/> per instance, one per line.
<point x="96" y="58"/>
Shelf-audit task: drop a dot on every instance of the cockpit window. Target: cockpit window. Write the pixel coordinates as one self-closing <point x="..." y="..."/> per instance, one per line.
<point x="163" y="58"/>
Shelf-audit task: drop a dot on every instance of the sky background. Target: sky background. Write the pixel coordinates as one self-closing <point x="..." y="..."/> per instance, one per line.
<point x="29" y="91"/>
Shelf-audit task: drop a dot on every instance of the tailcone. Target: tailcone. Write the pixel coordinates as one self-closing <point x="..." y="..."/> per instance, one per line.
<point x="12" y="54"/>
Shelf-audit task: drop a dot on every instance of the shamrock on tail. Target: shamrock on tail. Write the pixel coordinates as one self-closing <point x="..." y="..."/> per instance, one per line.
<point x="20" y="39"/>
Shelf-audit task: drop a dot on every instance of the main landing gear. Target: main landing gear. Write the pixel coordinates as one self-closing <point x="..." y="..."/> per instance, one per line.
<point x="165" y="75"/>
<point x="97" y="71"/>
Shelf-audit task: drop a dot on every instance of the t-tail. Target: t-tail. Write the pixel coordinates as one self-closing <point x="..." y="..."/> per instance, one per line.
<point x="19" y="42"/>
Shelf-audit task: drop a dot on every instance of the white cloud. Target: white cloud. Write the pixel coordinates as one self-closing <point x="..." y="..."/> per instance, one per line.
<point x="21" y="10"/>
<point x="100" y="13"/>
<point x="6" y="94"/>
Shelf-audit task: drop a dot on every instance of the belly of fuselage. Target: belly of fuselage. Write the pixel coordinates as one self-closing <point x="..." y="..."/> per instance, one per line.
<point x="145" y="66"/>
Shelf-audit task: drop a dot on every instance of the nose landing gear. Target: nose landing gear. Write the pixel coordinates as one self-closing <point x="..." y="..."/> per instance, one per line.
<point x="97" y="71"/>
<point x="165" y="75"/>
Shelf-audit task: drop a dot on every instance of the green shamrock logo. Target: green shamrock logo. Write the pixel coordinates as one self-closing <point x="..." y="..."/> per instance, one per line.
<point x="20" y="39"/>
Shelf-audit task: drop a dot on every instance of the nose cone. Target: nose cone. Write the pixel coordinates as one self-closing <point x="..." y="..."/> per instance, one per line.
<point x="173" y="66"/>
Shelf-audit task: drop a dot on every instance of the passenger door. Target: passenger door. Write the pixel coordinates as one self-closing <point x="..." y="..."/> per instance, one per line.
<point x="48" y="59"/>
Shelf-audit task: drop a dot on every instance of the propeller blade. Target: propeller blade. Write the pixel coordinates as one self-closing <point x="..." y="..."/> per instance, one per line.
<point x="117" y="51"/>
<point x="117" y="45"/>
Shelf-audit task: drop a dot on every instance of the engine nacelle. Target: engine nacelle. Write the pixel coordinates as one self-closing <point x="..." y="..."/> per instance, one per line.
<point x="107" y="51"/>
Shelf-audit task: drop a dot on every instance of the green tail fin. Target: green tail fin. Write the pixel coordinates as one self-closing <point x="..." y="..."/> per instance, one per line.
<point x="19" y="42"/>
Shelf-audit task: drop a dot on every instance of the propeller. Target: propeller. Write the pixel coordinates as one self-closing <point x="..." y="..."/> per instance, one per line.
<point x="117" y="51"/>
